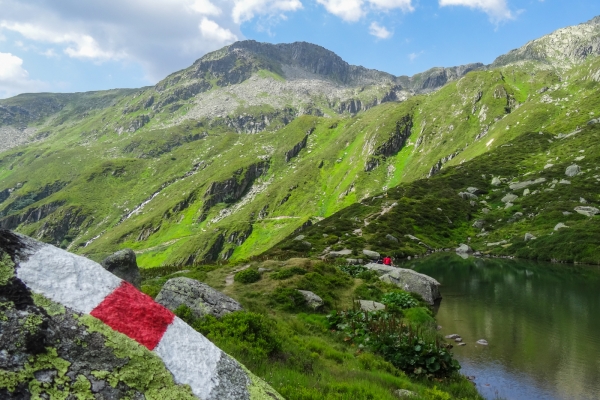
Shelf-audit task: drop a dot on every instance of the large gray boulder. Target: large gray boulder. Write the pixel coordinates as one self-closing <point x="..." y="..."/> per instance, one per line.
<point x="411" y="281"/>
<point x="380" y="268"/>
<point x="199" y="297"/>
<point x="464" y="249"/>
<point x="123" y="264"/>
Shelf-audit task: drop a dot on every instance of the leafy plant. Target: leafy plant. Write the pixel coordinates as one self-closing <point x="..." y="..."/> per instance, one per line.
<point x="398" y="300"/>
<point x="288" y="299"/>
<point x="403" y="345"/>
<point x="247" y="276"/>
<point x="353" y="270"/>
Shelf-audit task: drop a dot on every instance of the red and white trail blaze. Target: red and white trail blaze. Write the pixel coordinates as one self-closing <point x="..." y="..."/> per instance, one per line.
<point x="86" y="287"/>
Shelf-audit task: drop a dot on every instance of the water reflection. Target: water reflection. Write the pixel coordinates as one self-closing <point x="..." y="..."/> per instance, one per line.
<point x="541" y="321"/>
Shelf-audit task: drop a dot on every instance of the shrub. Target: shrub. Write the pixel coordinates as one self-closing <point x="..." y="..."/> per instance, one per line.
<point x="367" y="291"/>
<point x="288" y="299"/>
<point x="247" y="276"/>
<point x="250" y="335"/>
<point x="288" y="273"/>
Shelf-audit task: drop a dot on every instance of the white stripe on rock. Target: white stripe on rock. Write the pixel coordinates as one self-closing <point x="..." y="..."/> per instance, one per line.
<point x="74" y="281"/>
<point x="191" y="358"/>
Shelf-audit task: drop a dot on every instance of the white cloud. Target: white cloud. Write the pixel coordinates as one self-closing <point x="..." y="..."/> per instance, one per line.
<point x="205" y="7"/>
<point x="497" y="10"/>
<point x="413" y="56"/>
<point x="404" y="5"/>
<point x="353" y="10"/>
<point x="348" y="10"/>
<point x="212" y="31"/>
<point x="379" y="31"/>
<point x="244" y="10"/>
<point x="14" y="78"/>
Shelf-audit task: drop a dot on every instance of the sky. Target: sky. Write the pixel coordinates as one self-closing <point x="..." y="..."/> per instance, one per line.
<point x="75" y="45"/>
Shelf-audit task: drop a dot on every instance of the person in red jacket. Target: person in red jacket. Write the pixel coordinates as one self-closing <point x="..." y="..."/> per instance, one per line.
<point x="387" y="260"/>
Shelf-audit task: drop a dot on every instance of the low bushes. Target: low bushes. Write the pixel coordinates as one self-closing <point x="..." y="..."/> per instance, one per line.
<point x="247" y="276"/>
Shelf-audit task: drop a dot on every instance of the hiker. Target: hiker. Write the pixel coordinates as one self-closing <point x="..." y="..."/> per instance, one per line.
<point x="387" y="260"/>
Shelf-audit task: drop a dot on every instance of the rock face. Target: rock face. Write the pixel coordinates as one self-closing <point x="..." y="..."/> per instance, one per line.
<point x="124" y="265"/>
<point x="409" y="280"/>
<point x="199" y="297"/>
<point x="312" y="299"/>
<point x="81" y="319"/>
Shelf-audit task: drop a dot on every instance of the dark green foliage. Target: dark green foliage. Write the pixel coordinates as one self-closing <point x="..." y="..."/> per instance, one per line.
<point x="408" y="348"/>
<point x="247" y="276"/>
<point x="353" y="270"/>
<point x="288" y="300"/>
<point x="398" y="300"/>
<point x="287" y="273"/>
<point x="368" y="291"/>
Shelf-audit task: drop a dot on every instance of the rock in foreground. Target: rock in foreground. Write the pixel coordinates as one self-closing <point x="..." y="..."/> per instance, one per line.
<point x="199" y="297"/>
<point x="71" y="329"/>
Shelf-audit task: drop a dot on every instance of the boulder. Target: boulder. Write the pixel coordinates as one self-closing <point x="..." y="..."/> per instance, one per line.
<point x="380" y="269"/>
<point x="464" y="249"/>
<point x="81" y="318"/>
<point x="524" y="184"/>
<point x="411" y="281"/>
<point x="496" y="181"/>
<point x="587" y="210"/>
<point x="313" y="301"/>
<point x="452" y="336"/>
<point x="405" y="394"/>
<point x="482" y="342"/>
<point x="369" y="305"/>
<point x="560" y="225"/>
<point x="199" y="297"/>
<point x="339" y="254"/>
<point x="529" y="236"/>
<point x="509" y="198"/>
<point x="123" y="264"/>
<point x="573" y="170"/>
<point x="354" y="261"/>
<point x="467" y="196"/>
<point x="391" y="238"/>
<point x="474" y="190"/>
<point x="373" y="255"/>
<point x="478" y="224"/>
<point x="299" y="237"/>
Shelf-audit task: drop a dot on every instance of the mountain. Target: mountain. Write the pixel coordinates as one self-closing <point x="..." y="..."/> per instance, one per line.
<point x="254" y="142"/>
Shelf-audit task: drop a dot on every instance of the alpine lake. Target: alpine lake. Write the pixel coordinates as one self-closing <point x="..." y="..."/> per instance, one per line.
<point x="541" y="322"/>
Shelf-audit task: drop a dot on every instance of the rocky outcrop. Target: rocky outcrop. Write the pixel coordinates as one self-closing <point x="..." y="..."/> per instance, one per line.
<point x="437" y="167"/>
<point x="29" y="216"/>
<point x="435" y="78"/>
<point x="294" y="151"/>
<point x="199" y="297"/>
<point x="34" y="196"/>
<point x="123" y="264"/>
<point x="393" y="145"/>
<point x="71" y="329"/>
<point x="232" y="189"/>
<point x="370" y="305"/>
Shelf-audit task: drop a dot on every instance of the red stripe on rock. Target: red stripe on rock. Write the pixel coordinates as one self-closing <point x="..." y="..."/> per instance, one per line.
<point x="134" y="314"/>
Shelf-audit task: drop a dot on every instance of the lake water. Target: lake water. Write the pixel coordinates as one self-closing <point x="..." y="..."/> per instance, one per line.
<point x="542" y="322"/>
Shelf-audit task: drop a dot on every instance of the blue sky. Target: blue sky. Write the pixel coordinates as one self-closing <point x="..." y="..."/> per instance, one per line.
<point x="74" y="45"/>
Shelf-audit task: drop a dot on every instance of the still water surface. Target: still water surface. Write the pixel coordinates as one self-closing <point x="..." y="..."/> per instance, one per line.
<point x="542" y="322"/>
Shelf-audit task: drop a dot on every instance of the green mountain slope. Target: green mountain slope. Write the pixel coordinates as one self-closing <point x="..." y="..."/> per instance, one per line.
<point x="227" y="158"/>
